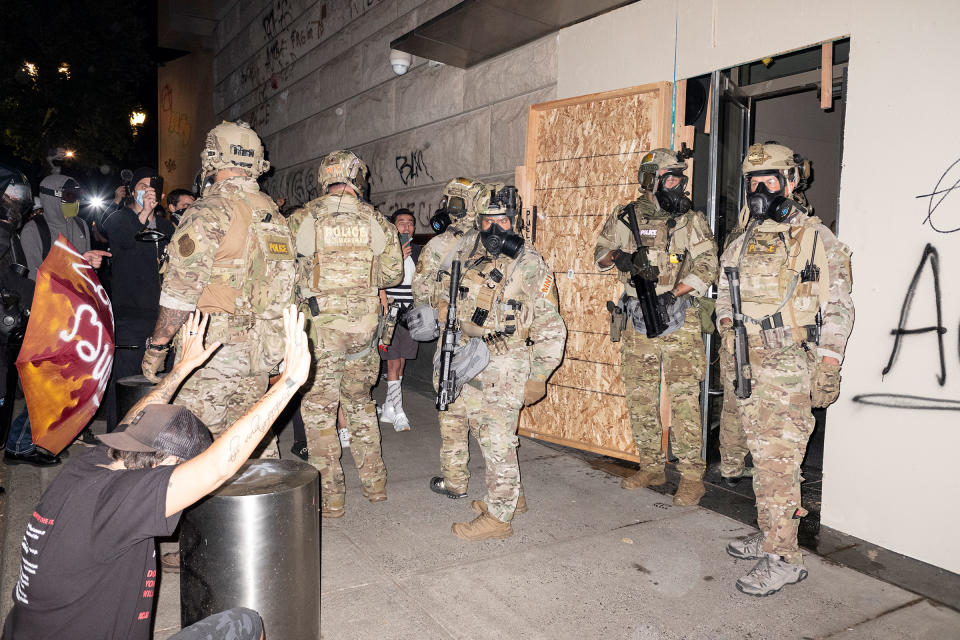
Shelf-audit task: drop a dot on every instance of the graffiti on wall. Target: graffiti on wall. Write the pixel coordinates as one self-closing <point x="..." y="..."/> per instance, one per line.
<point x="172" y="121"/>
<point x="412" y="165"/>
<point x="949" y="182"/>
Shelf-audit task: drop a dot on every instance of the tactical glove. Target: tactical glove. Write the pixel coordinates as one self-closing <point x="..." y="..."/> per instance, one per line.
<point x="152" y="363"/>
<point x="533" y="392"/>
<point x="666" y="299"/>
<point x="826" y="385"/>
<point x="624" y="261"/>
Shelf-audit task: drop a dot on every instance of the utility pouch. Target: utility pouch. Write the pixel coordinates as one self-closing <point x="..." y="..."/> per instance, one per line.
<point x="777" y="337"/>
<point x="706" y="307"/>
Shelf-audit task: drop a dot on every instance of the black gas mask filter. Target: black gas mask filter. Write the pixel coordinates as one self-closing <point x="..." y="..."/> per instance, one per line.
<point x="450" y="208"/>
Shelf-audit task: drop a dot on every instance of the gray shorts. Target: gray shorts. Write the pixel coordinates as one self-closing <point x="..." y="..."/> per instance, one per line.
<point x="402" y="346"/>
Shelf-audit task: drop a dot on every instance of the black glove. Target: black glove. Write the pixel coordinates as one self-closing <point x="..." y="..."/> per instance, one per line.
<point x="666" y="299"/>
<point x="624" y="261"/>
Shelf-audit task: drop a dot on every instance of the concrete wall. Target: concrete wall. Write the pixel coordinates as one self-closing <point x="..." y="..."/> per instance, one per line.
<point x="889" y="473"/>
<point x="185" y="109"/>
<point x="312" y="76"/>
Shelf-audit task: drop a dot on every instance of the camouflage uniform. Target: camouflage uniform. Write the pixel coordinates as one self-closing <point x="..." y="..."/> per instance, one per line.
<point x="684" y="253"/>
<point x="427" y="288"/>
<point x="532" y="337"/>
<point x="348" y="251"/>
<point x="777" y="417"/>
<point x="232" y="257"/>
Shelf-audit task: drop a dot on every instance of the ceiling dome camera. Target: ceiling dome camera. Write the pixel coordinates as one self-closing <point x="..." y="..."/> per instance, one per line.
<point x="400" y="61"/>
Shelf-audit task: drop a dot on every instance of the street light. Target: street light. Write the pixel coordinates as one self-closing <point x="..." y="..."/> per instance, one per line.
<point x="69" y="153"/>
<point x="137" y="118"/>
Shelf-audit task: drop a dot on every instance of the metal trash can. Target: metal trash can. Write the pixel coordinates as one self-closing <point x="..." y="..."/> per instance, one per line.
<point x="129" y="392"/>
<point x="255" y="542"/>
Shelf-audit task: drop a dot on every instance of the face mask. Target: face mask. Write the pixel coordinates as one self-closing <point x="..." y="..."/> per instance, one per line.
<point x="139" y="198"/>
<point x="70" y="209"/>
<point x="176" y="215"/>
<point x="440" y="221"/>
<point x="764" y="204"/>
<point x="496" y="241"/>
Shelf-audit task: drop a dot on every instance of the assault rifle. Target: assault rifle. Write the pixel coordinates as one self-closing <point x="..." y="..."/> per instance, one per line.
<point x="644" y="276"/>
<point x="741" y="353"/>
<point x="446" y="388"/>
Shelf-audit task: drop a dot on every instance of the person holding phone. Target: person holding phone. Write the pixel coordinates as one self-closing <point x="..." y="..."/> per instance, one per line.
<point x="135" y="274"/>
<point x="402" y="347"/>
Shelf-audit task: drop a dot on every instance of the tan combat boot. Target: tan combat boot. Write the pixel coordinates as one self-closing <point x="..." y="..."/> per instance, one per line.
<point x="689" y="492"/>
<point x="483" y="527"/>
<point x="479" y="506"/>
<point x="331" y="506"/>
<point x="644" y="478"/>
<point x="376" y="493"/>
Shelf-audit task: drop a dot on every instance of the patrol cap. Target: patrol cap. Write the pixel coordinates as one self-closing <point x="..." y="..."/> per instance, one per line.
<point x="163" y="428"/>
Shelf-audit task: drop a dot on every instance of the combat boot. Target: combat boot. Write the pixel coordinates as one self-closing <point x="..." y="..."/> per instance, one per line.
<point x="644" y="478"/>
<point x="483" y="527"/>
<point x="770" y="575"/>
<point x="479" y="506"/>
<point x="377" y="493"/>
<point x="748" y="548"/>
<point x="331" y="506"/>
<point x="439" y="485"/>
<point x="689" y="492"/>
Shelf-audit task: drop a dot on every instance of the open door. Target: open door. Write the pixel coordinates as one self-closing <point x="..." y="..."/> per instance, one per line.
<point x="582" y="159"/>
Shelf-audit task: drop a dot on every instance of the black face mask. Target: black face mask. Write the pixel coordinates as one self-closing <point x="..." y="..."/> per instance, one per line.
<point x="176" y="215"/>
<point x="674" y="201"/>
<point x="496" y="241"/>
<point x="764" y="204"/>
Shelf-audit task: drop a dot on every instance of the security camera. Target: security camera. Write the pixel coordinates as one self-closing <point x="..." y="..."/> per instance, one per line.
<point x="400" y="61"/>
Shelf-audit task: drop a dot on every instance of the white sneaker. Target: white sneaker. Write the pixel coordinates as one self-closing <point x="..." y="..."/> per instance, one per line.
<point x="344" y="438"/>
<point x="387" y="413"/>
<point x="400" y="422"/>
<point x="748" y="548"/>
<point x="770" y="575"/>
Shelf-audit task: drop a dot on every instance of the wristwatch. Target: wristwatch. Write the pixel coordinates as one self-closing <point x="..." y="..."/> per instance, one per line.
<point x="157" y="347"/>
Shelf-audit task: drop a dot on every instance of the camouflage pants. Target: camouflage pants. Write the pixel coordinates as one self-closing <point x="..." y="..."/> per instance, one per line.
<point x="778" y="422"/>
<point x="733" y="441"/>
<point x="681" y="359"/>
<point x="223" y="390"/>
<point x="342" y="379"/>
<point x="491" y="413"/>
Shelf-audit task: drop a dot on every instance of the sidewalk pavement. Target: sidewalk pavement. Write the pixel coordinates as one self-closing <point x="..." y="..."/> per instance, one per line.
<point x="589" y="560"/>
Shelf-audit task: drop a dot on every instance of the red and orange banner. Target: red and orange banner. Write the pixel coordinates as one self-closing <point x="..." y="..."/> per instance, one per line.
<point x="67" y="351"/>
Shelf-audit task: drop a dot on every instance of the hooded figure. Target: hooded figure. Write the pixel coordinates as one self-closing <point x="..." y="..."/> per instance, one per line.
<point x="60" y="198"/>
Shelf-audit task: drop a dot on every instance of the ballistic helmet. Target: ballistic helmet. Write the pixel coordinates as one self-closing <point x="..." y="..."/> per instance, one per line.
<point x="653" y="162"/>
<point x="502" y="201"/>
<point x="768" y="157"/>
<point x="464" y="196"/>
<point x="344" y="167"/>
<point x="232" y="145"/>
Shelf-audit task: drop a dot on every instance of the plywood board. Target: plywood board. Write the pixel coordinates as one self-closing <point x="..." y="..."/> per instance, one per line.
<point x="581" y="161"/>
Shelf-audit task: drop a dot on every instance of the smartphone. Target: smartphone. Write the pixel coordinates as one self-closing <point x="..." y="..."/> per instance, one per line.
<point x="404" y="238"/>
<point x="156" y="183"/>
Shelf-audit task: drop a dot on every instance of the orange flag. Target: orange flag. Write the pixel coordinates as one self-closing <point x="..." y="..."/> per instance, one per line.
<point x="67" y="351"/>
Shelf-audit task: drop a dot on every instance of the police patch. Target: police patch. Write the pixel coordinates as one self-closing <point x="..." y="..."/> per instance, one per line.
<point x="186" y="245"/>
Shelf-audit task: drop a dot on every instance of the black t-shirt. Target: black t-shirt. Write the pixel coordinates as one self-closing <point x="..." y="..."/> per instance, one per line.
<point x="135" y="272"/>
<point x="88" y="565"/>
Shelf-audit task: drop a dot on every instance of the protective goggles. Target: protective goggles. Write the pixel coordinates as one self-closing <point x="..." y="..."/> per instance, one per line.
<point x="68" y="193"/>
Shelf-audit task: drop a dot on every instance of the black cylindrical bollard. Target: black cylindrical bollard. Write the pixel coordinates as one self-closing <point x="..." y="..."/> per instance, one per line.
<point x="129" y="392"/>
<point x="255" y="542"/>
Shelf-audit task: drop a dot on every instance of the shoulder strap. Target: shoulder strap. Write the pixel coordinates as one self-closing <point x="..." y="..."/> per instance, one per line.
<point x="44" y="230"/>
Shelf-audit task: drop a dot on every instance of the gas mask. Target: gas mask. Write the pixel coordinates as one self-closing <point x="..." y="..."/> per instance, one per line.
<point x="497" y="240"/>
<point x="766" y="204"/>
<point x="175" y="216"/>
<point x="674" y="201"/>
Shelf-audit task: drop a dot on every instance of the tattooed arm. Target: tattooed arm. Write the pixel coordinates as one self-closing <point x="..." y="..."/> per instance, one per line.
<point x="169" y="322"/>
<point x="199" y="476"/>
<point x="193" y="356"/>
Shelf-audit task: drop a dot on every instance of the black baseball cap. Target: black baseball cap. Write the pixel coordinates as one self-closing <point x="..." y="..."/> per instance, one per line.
<point x="165" y="428"/>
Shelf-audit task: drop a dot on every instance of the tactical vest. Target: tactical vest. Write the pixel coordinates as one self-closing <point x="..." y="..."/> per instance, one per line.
<point x="494" y="301"/>
<point x="671" y="248"/>
<point x="773" y="269"/>
<point x="345" y="242"/>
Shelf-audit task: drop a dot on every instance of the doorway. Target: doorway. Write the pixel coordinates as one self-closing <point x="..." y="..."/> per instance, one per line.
<point x="774" y="99"/>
